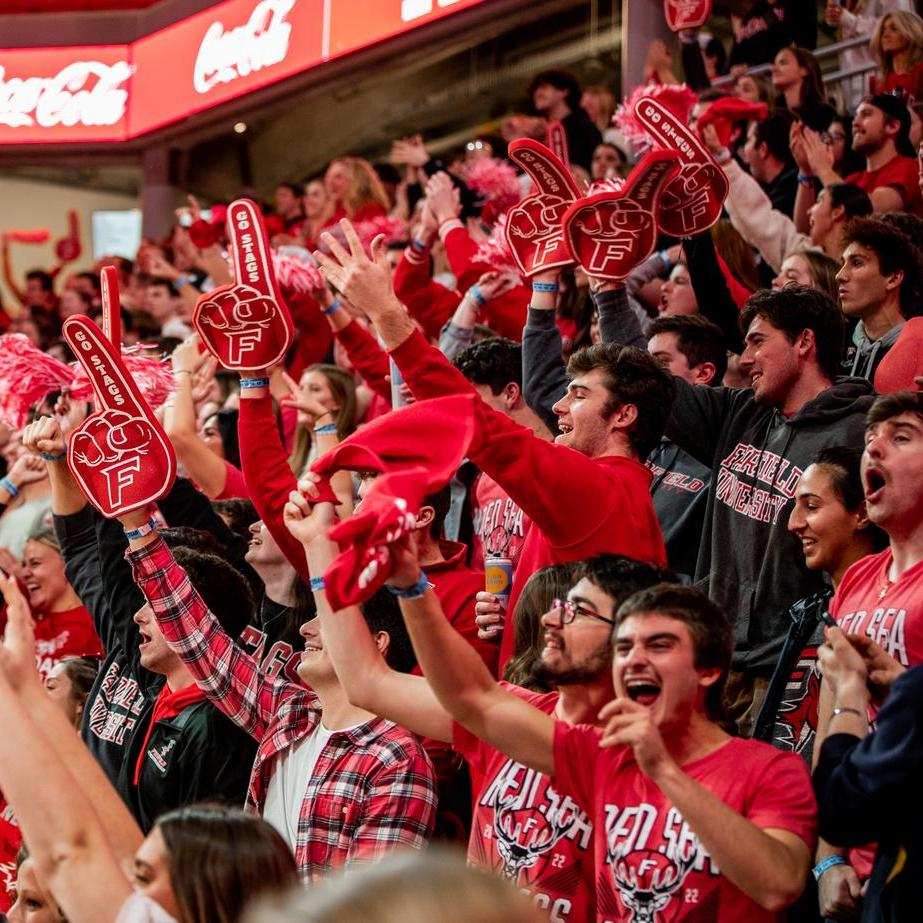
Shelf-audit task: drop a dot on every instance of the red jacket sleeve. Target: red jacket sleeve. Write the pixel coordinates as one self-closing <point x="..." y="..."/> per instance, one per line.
<point x="548" y="482"/>
<point x="367" y="357"/>
<point x="268" y="475"/>
<point x="460" y="250"/>
<point x="429" y="303"/>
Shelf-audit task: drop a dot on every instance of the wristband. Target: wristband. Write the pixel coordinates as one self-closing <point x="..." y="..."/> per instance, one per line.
<point x="806" y="179"/>
<point x="51" y="457"/>
<point x="412" y="592"/>
<point x="418" y="245"/>
<point x="254" y="382"/>
<point x="477" y="296"/>
<point x="181" y="372"/>
<point x="317" y="584"/>
<point x="826" y="864"/>
<point x="550" y="287"/>
<point x="9" y="487"/>
<point x="326" y="429"/>
<point x="333" y="307"/>
<point x="141" y="531"/>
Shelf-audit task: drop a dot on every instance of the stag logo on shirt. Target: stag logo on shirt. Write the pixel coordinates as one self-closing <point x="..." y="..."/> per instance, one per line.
<point x="796" y="722"/>
<point x="530" y="817"/>
<point x="648" y="869"/>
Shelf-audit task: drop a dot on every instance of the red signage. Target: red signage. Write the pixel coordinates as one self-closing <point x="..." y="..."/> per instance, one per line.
<point x="118" y="92"/>
<point x="64" y="94"/>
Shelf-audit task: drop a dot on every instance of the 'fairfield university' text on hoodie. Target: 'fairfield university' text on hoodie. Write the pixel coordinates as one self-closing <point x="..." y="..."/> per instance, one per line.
<point x="753" y="565"/>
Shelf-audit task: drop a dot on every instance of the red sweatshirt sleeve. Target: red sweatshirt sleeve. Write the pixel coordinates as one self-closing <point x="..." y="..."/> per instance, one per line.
<point x="367" y="357"/>
<point x="460" y="250"/>
<point x="566" y="494"/>
<point x="268" y="475"/>
<point x="429" y="303"/>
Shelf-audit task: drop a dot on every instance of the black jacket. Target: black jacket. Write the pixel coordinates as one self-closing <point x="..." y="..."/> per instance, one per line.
<point x="119" y="705"/>
<point x="869" y="790"/>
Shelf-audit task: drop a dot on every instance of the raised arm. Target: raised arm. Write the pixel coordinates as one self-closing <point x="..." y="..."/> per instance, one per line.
<point x="543" y="377"/>
<point x="78" y="830"/>
<point x="203" y="465"/>
<point x="229" y="677"/>
<point x="369" y="682"/>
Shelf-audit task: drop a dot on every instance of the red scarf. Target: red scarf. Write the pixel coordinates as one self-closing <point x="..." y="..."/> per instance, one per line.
<point x="168" y="705"/>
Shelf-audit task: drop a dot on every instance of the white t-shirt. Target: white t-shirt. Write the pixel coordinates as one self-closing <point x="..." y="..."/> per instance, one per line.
<point x="289" y="783"/>
<point x="141" y="909"/>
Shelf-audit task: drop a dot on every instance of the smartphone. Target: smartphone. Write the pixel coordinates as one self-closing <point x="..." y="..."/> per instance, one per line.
<point x="828" y="619"/>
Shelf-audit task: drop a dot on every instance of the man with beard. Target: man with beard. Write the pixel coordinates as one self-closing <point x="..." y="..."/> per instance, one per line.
<point x="881" y="134"/>
<point x="522" y="828"/>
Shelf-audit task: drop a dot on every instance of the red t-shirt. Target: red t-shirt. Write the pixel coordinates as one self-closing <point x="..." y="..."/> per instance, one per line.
<point x="891" y="614"/>
<point x="64" y="634"/>
<point x="649" y="862"/>
<point x="234" y="484"/>
<point x="900" y="173"/>
<point x="524" y="830"/>
<point x="10" y="842"/>
<point x="500" y="526"/>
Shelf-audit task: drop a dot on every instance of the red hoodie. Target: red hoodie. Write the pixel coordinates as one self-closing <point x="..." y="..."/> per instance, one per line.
<point x="266" y="468"/>
<point x="579" y="506"/>
<point x="429" y="303"/>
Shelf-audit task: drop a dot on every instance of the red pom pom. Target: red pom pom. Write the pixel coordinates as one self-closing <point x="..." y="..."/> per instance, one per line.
<point x="296" y="275"/>
<point x="27" y="375"/>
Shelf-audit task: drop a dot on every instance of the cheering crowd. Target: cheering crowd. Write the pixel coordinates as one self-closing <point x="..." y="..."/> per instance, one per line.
<point x="610" y="579"/>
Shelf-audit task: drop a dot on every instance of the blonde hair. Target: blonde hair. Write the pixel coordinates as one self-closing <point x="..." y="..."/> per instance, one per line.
<point x="364" y="187"/>
<point x="434" y="886"/>
<point x="910" y="26"/>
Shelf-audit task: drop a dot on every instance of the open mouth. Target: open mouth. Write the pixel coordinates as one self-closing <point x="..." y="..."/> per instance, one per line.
<point x="874" y="484"/>
<point x="565" y="428"/>
<point x="642" y="691"/>
<point x="754" y="378"/>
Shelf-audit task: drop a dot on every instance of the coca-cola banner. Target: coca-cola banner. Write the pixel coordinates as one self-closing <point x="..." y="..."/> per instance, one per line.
<point x="119" y="92"/>
<point x="64" y="94"/>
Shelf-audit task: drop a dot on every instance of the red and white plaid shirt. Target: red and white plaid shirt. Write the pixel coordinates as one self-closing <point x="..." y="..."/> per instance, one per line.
<point x="373" y="787"/>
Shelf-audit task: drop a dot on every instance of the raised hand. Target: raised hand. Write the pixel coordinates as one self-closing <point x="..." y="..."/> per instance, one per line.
<point x="246" y="325"/>
<point x="305" y="515"/>
<point x="17" y="651"/>
<point x="488" y="615"/>
<point x="442" y="197"/>
<point x="120" y="455"/>
<point x="628" y="723"/>
<point x="819" y="154"/>
<point x="365" y="281"/>
<point x="43" y="436"/>
<point x="27" y="469"/>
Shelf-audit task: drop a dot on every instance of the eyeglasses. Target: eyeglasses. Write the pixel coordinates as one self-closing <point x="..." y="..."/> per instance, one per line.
<point x="568" y="612"/>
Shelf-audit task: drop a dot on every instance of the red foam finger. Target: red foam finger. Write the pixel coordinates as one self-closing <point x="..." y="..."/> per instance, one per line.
<point x="556" y="139"/>
<point x="693" y="200"/>
<point x="533" y="227"/>
<point x="609" y="233"/>
<point x="246" y="326"/>
<point x="112" y="314"/>
<point x="120" y="455"/>
<point x="686" y="14"/>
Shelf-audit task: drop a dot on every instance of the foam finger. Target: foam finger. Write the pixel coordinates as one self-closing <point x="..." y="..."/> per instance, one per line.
<point x="248" y="245"/>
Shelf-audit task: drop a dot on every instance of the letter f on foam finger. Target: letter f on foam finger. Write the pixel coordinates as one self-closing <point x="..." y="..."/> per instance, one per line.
<point x="246" y="326"/>
<point x="120" y="456"/>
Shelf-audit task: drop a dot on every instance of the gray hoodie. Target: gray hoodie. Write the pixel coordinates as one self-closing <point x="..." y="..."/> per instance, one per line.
<point x="749" y="563"/>
<point x="866" y="355"/>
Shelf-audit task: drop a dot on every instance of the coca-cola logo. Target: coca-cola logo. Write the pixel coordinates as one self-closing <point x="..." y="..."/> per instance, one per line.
<point x="225" y="56"/>
<point x="83" y="93"/>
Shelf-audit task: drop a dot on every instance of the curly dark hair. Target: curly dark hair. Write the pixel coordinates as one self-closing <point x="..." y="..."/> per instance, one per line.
<point x="223" y="589"/>
<point x="495" y="362"/>
<point x="796" y="308"/>
<point x="633" y="376"/>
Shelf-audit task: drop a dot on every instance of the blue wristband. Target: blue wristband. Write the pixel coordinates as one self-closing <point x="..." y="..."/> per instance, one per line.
<point x="9" y="487"/>
<point x="51" y="457"/>
<point x="254" y="382"/>
<point x="333" y="307"/>
<point x="141" y="531"/>
<point x="826" y="864"/>
<point x="418" y="245"/>
<point x="317" y="584"/>
<point x="412" y="592"/>
<point x="326" y="429"/>
<point x="477" y="296"/>
<point x="550" y="287"/>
